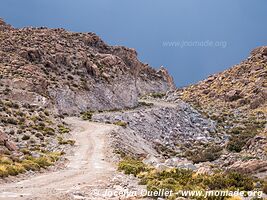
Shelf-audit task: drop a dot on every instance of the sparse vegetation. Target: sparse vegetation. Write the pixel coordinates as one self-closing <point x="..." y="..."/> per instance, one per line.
<point x="182" y="179"/>
<point x="87" y="115"/>
<point x="62" y="129"/>
<point x="64" y="142"/>
<point x="34" y="125"/>
<point x="158" y="95"/>
<point x="208" y="154"/>
<point x="121" y="123"/>
<point x="9" y="167"/>
<point x="143" y="103"/>
<point x="131" y="166"/>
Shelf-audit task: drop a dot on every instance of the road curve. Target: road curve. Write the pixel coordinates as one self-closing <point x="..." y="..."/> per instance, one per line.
<point x="86" y="166"/>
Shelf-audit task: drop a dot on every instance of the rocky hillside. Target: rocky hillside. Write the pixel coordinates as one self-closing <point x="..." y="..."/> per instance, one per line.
<point x="162" y="130"/>
<point x="72" y="72"/>
<point x="237" y="100"/>
<point x="243" y="86"/>
<point x="237" y="97"/>
<point x="47" y="73"/>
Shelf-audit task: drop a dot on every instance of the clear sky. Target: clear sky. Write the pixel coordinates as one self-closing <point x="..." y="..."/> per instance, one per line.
<point x="192" y="38"/>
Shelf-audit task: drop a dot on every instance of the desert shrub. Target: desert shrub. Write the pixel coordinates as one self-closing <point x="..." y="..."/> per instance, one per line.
<point x="64" y="142"/>
<point x="121" y="123"/>
<point x="183" y="179"/>
<point x="143" y="103"/>
<point x="48" y="131"/>
<point x="87" y="115"/>
<point x="5" y="160"/>
<point x="165" y="150"/>
<point x="264" y="189"/>
<point x="227" y="180"/>
<point x="54" y="156"/>
<point x="235" y="144"/>
<point x="238" y="180"/>
<point x="236" y="131"/>
<point x="209" y="154"/>
<point x="25" y="137"/>
<point x="7" y="91"/>
<point x="11" y="121"/>
<point x="25" y="151"/>
<point x="157" y="95"/>
<point x="41" y="162"/>
<point x="3" y="171"/>
<point x="131" y="166"/>
<point x="14" y="170"/>
<point x="12" y="104"/>
<point x="46" y="113"/>
<point x="240" y="136"/>
<point x="62" y="129"/>
<point x="11" y="169"/>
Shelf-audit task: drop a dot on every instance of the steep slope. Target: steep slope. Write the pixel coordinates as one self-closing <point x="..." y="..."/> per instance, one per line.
<point x="47" y="73"/>
<point x="72" y="72"/>
<point x="242" y="86"/>
<point x="237" y="100"/>
<point x="162" y="130"/>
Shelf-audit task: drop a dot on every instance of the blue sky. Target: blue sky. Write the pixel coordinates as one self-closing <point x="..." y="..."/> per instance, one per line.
<point x="192" y="38"/>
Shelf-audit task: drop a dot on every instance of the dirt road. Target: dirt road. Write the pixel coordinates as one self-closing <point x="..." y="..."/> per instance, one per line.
<point x="86" y="166"/>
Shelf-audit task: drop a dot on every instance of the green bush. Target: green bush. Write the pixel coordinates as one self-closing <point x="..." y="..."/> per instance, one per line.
<point x="121" y="123"/>
<point x="48" y="131"/>
<point x="87" y="115"/>
<point x="143" y="103"/>
<point x="14" y="170"/>
<point x="61" y="141"/>
<point x="25" y="137"/>
<point x="62" y="129"/>
<point x="3" y="171"/>
<point x="209" y="154"/>
<point x="236" y="143"/>
<point x="183" y="179"/>
<point x="157" y="95"/>
<point x="131" y="166"/>
<point x="30" y="165"/>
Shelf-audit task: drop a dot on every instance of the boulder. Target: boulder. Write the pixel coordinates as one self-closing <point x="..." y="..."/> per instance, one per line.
<point x="249" y="167"/>
<point x="4" y="141"/>
<point x="233" y="95"/>
<point x="31" y="54"/>
<point x="11" y="146"/>
<point x="3" y="137"/>
<point x="257" y="102"/>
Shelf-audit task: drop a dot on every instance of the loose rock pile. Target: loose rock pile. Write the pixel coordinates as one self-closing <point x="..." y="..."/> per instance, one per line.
<point x="162" y="130"/>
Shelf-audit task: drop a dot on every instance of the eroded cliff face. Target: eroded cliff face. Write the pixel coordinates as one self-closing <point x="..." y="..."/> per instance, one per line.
<point x="72" y="72"/>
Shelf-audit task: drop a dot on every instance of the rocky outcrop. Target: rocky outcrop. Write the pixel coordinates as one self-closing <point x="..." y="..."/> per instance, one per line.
<point x="73" y="72"/>
<point x="249" y="167"/>
<point x="5" y="142"/>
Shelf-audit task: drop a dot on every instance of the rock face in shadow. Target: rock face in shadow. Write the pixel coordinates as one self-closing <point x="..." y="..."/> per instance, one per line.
<point x="73" y="72"/>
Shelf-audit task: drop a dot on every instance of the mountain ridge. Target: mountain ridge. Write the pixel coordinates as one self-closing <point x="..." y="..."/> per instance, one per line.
<point x="204" y="130"/>
<point x="53" y="63"/>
